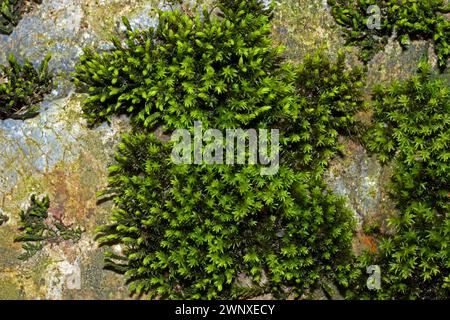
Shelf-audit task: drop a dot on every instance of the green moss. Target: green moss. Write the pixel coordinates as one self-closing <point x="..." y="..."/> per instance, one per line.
<point x="10" y="14"/>
<point x="22" y="87"/>
<point x="37" y="231"/>
<point x="192" y="231"/>
<point x="412" y="128"/>
<point x="407" y="19"/>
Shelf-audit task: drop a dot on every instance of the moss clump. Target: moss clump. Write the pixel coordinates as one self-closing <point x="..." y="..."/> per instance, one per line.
<point x="407" y="19"/>
<point x="38" y="229"/>
<point x="180" y="71"/>
<point x="328" y="98"/>
<point x="412" y="129"/>
<point x="11" y="12"/>
<point x="22" y="87"/>
<point x="191" y="231"/>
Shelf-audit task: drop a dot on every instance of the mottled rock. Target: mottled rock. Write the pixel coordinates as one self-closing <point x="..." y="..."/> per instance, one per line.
<point x="57" y="154"/>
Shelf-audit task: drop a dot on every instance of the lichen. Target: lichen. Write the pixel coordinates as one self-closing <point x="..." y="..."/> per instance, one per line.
<point x="303" y="26"/>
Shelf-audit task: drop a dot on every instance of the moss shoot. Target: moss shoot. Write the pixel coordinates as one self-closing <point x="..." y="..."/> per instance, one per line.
<point x="22" y="87"/>
<point x="11" y="12"/>
<point x="406" y="19"/>
<point x="194" y="231"/>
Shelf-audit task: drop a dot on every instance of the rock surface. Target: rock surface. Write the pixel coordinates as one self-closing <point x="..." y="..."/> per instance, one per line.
<point x="57" y="154"/>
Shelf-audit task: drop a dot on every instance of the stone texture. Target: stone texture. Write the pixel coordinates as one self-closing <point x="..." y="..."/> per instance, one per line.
<point x="57" y="154"/>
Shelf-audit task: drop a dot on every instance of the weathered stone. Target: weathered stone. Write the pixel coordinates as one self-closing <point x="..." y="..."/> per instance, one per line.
<point x="57" y="154"/>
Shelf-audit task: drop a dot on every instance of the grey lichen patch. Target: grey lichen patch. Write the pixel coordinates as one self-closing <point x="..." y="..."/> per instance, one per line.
<point x="68" y="162"/>
<point x="64" y="143"/>
<point x="103" y="16"/>
<point x="65" y="271"/>
<point x="53" y="26"/>
<point x="362" y="180"/>
<point x="305" y="25"/>
<point x="35" y="147"/>
<point x="96" y="282"/>
<point x="396" y="63"/>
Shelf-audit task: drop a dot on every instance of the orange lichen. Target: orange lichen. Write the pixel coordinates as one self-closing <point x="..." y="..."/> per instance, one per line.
<point x="369" y="243"/>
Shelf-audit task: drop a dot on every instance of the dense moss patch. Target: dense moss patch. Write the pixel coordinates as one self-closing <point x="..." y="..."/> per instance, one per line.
<point x="412" y="129"/>
<point x="192" y="231"/>
<point x="22" y="87"/>
<point x="407" y="19"/>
